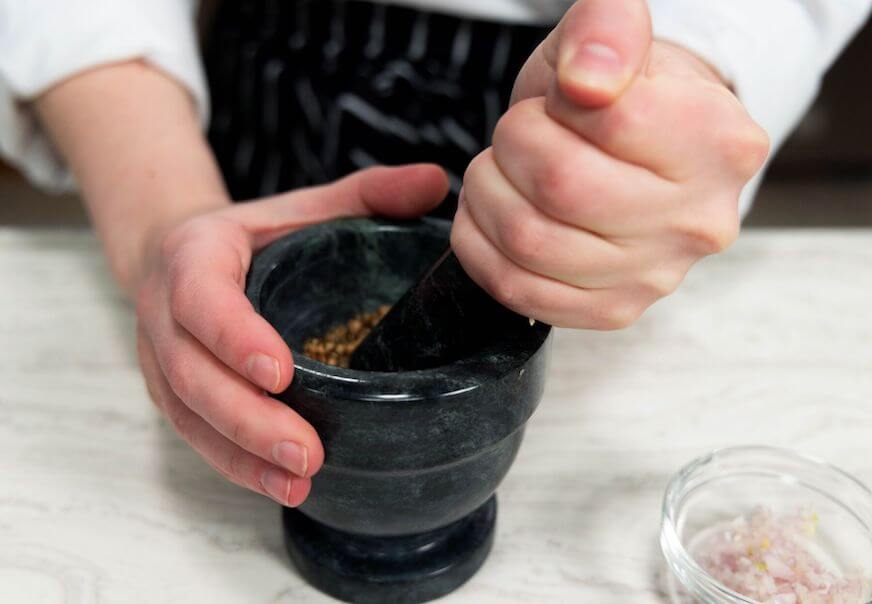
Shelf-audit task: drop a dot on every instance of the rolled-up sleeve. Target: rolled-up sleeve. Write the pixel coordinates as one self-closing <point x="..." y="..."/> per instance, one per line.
<point x="43" y="42"/>
<point x="774" y="52"/>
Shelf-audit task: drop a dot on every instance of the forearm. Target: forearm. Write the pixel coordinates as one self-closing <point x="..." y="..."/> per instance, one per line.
<point x="131" y="138"/>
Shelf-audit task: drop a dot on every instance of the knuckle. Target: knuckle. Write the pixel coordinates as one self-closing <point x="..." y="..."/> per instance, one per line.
<point x="503" y="289"/>
<point x="474" y="169"/>
<point x="625" y="119"/>
<point x="516" y="120"/>
<point x="745" y="148"/>
<point x="222" y="340"/>
<point x="713" y="238"/>
<point x="505" y="128"/>
<point x="178" y="302"/>
<point x="662" y="283"/>
<point x="180" y="421"/>
<point x="241" y="434"/>
<point x="522" y="237"/>
<point x="727" y="234"/>
<point x="179" y="377"/>
<point x="616" y="320"/>
<point x="236" y="466"/>
<point x="619" y="314"/>
<point x="621" y="317"/>
<point x="714" y="228"/>
<point x="708" y="241"/>
<point x="552" y="186"/>
<point x="237" y="433"/>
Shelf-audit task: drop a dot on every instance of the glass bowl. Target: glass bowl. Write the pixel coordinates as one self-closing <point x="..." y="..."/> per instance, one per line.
<point x="716" y="489"/>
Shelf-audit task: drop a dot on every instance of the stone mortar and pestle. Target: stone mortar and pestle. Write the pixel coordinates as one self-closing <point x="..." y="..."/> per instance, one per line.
<point x="422" y="428"/>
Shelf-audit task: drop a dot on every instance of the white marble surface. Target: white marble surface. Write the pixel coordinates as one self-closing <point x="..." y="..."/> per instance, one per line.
<point x="99" y="502"/>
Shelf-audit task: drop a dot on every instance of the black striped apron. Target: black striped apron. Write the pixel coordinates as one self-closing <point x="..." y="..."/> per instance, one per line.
<point x="306" y="91"/>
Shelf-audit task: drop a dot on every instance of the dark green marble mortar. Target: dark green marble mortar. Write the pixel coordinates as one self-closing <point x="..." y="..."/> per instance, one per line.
<point x="403" y="510"/>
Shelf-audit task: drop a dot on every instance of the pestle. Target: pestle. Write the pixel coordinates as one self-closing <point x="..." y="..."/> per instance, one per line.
<point x="445" y="317"/>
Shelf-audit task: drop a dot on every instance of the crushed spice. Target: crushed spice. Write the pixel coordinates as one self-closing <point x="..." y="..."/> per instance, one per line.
<point x="337" y="345"/>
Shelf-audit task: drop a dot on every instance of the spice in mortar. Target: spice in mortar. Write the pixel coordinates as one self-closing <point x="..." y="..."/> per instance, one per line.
<point x="337" y="345"/>
<point x="775" y="560"/>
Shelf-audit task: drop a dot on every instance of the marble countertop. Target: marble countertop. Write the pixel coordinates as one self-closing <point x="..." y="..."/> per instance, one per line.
<point x="770" y="343"/>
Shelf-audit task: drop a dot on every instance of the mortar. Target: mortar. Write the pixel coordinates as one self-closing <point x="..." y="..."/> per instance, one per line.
<point x="403" y="510"/>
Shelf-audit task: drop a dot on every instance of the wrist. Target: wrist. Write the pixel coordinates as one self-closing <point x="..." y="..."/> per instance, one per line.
<point x="132" y="138"/>
<point x="155" y="198"/>
<point x="134" y="259"/>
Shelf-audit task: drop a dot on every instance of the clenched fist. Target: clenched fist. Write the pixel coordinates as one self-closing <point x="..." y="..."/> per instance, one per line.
<point x="618" y="166"/>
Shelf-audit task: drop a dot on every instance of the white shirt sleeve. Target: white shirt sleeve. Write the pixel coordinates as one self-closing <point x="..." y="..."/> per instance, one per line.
<point x="774" y="52"/>
<point x="43" y="42"/>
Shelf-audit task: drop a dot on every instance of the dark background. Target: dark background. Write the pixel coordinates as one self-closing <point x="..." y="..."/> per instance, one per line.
<point x="821" y="177"/>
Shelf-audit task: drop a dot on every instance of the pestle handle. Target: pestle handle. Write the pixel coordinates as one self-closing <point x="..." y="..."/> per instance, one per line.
<point x="443" y="318"/>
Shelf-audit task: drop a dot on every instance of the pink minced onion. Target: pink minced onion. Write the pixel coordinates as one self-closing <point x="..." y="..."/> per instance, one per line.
<point x="774" y="560"/>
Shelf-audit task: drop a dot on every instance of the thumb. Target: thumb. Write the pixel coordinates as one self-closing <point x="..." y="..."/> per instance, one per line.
<point x="401" y="192"/>
<point x="601" y="45"/>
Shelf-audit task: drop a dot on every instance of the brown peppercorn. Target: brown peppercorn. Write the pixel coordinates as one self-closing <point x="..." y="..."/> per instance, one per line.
<point x="339" y="342"/>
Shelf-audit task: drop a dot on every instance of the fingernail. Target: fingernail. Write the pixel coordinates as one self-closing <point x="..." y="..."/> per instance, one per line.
<point x="278" y="484"/>
<point x="292" y="456"/>
<point x="593" y="65"/>
<point x="264" y="371"/>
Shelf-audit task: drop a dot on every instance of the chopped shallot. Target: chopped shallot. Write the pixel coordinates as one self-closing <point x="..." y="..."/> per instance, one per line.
<point x="774" y="560"/>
